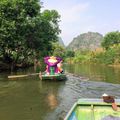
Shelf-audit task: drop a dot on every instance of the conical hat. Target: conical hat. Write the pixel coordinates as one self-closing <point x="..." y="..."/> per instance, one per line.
<point x="52" y="59"/>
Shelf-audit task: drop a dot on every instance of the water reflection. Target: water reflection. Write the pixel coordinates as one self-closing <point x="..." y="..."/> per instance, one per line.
<point x="52" y="101"/>
<point x="76" y="88"/>
<point x="96" y="72"/>
<point x="32" y="99"/>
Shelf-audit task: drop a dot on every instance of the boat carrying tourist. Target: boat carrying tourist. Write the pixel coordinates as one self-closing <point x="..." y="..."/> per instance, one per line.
<point x="54" y="69"/>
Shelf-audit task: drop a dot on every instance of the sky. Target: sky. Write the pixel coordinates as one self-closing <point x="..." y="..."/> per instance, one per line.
<point x="82" y="16"/>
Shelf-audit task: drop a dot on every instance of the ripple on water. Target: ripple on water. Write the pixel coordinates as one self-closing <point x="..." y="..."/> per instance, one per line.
<point x="76" y="88"/>
<point x="8" y="86"/>
<point x="79" y="87"/>
<point x="89" y="86"/>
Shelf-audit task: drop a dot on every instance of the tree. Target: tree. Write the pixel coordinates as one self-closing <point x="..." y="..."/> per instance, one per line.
<point x="16" y="19"/>
<point x="48" y="29"/>
<point x="58" y="50"/>
<point x="110" y="39"/>
<point x="70" y="53"/>
<point x="24" y="30"/>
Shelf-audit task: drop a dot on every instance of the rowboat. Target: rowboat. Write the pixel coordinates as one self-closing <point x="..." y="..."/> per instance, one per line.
<point x="93" y="109"/>
<point x="52" y="75"/>
<point x="59" y="77"/>
<point x="42" y="76"/>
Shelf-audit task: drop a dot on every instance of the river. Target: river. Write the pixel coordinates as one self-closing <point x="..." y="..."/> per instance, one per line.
<point x="29" y="98"/>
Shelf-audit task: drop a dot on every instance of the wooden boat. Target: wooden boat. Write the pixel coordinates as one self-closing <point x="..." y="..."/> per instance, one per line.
<point x="60" y="76"/>
<point x="42" y="76"/>
<point x="93" y="109"/>
<point x="52" y="75"/>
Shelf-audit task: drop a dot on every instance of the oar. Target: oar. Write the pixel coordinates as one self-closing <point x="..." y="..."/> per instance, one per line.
<point x="17" y="76"/>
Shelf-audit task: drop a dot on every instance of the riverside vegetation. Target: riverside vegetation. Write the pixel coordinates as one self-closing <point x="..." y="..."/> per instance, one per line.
<point x="107" y="53"/>
<point x="28" y="34"/>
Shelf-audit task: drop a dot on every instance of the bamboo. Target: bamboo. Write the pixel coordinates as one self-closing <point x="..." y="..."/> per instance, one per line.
<point x="17" y="76"/>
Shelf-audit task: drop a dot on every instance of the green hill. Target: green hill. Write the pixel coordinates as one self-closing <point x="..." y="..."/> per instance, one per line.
<point x="89" y="41"/>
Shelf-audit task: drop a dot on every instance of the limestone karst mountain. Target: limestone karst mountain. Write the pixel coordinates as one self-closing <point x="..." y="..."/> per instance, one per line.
<point x="90" y="41"/>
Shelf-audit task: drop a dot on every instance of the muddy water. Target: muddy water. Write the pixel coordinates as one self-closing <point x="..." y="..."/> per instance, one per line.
<point x="29" y="98"/>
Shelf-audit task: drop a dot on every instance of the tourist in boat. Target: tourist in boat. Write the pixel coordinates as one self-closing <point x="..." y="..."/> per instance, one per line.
<point x="52" y="62"/>
<point x="59" y="65"/>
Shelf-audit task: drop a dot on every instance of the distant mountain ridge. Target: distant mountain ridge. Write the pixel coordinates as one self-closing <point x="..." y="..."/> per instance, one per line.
<point x="90" y="41"/>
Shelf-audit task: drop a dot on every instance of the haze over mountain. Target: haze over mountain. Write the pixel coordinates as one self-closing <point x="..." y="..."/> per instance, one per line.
<point x="61" y="42"/>
<point x="90" y="41"/>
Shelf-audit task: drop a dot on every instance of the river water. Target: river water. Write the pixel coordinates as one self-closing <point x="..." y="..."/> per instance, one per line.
<point x="29" y="98"/>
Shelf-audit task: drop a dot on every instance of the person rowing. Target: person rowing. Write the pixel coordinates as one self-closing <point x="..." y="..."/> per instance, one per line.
<point x="52" y="64"/>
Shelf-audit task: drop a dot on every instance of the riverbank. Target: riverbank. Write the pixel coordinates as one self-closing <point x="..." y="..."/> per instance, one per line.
<point x="4" y="66"/>
<point x="7" y="67"/>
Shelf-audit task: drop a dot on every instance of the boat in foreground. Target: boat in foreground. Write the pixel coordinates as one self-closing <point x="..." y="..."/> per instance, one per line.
<point x="93" y="109"/>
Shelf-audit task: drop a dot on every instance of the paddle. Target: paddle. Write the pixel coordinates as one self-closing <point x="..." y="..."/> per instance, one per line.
<point x="17" y="76"/>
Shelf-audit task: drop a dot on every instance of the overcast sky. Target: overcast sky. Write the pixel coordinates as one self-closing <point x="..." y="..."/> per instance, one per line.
<point x="81" y="16"/>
